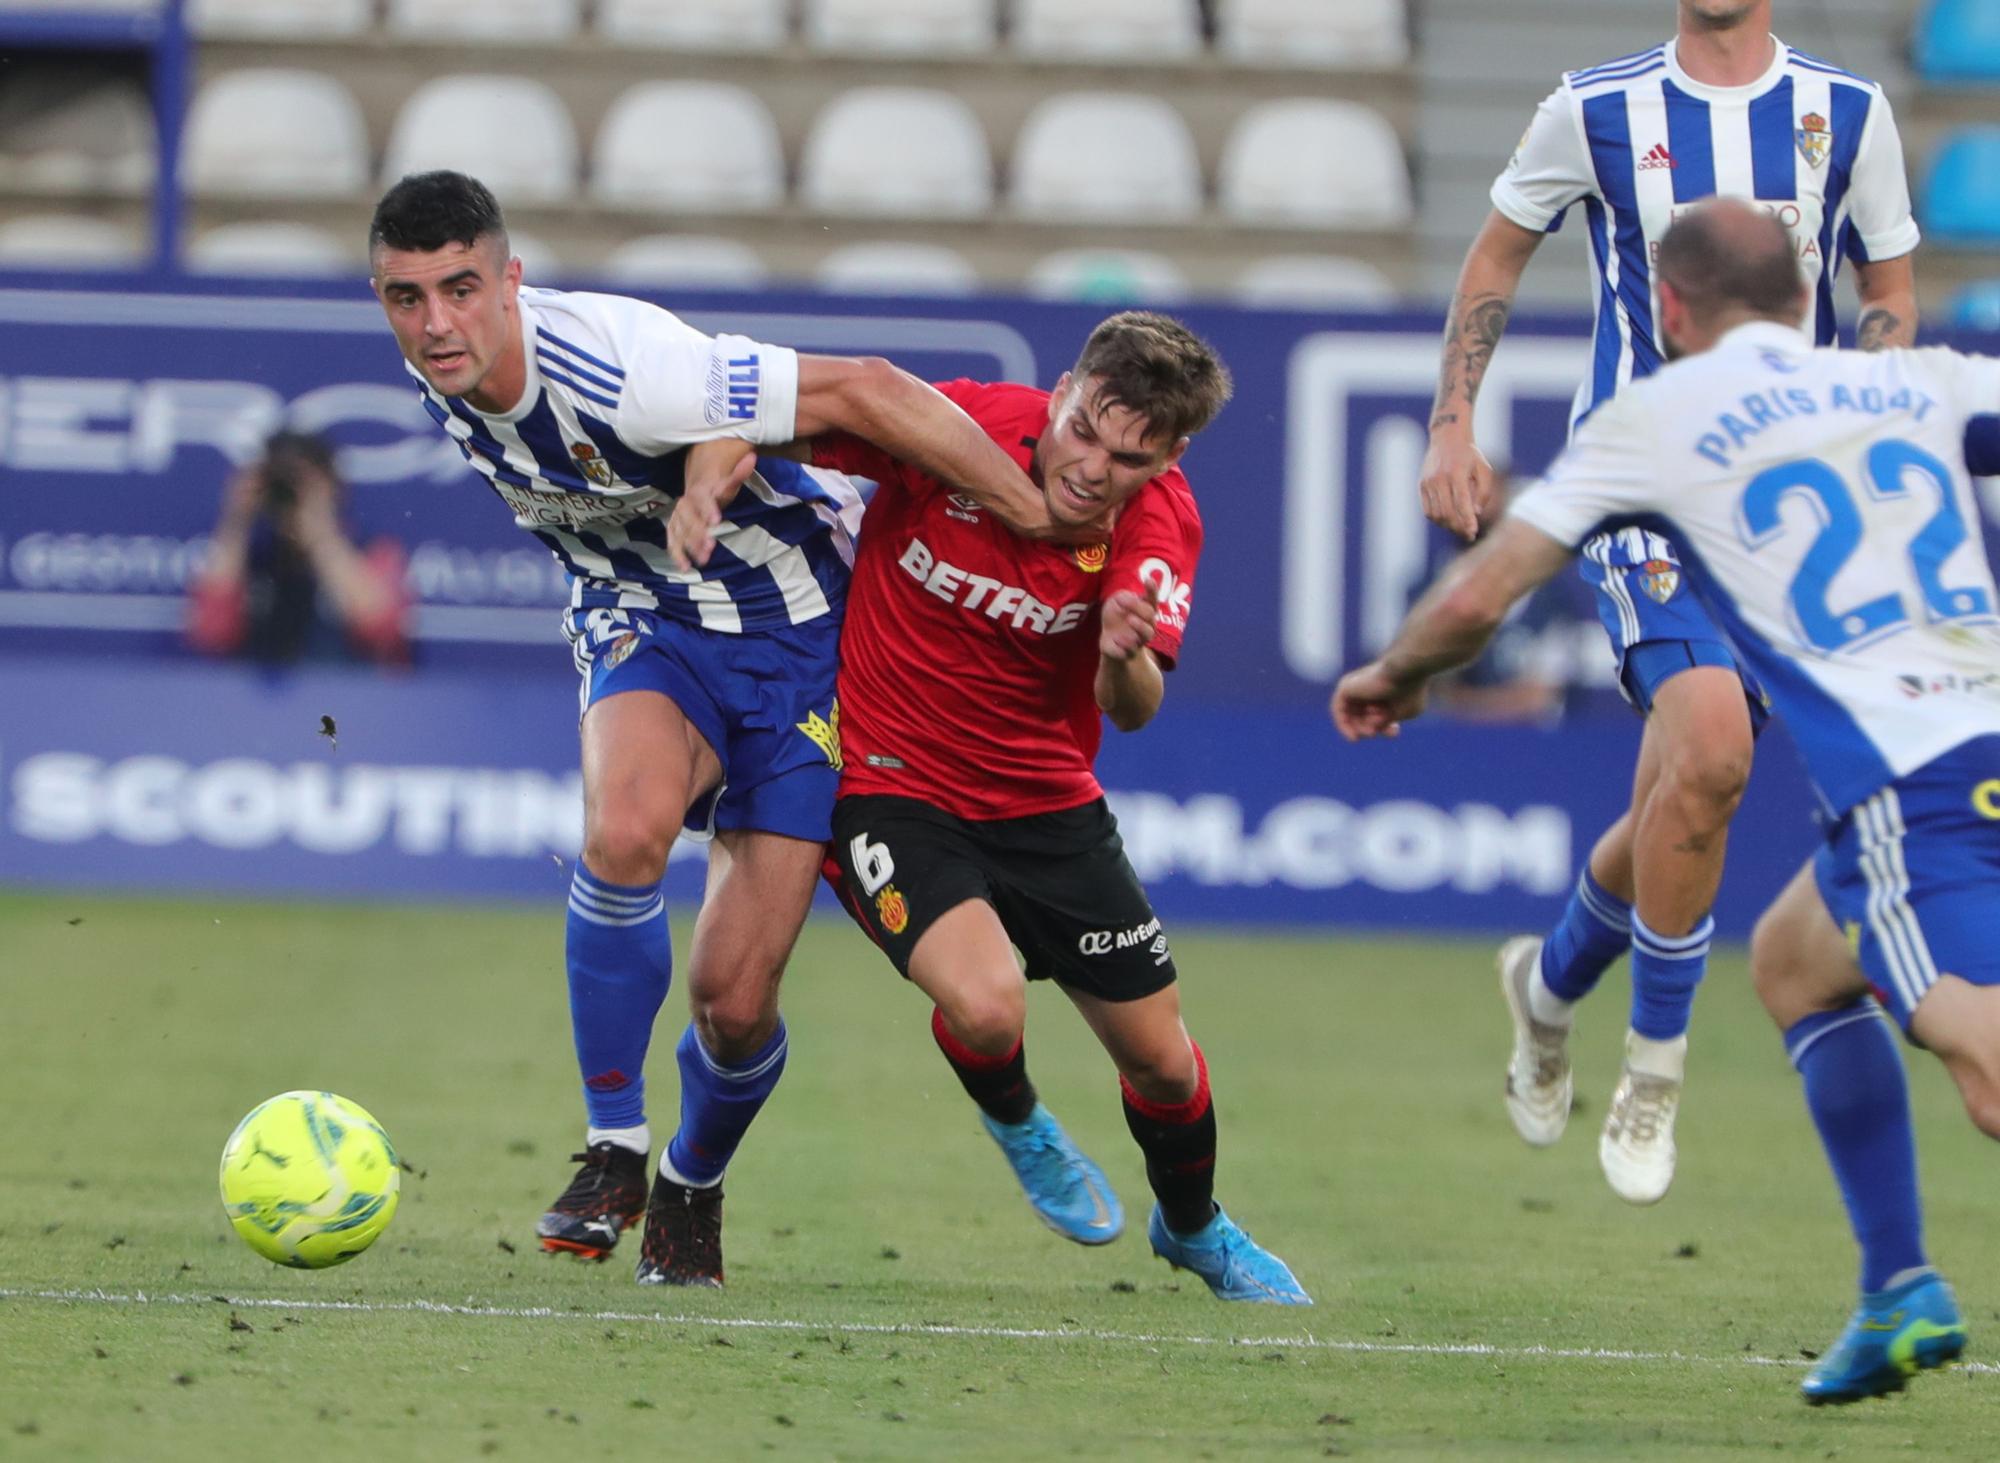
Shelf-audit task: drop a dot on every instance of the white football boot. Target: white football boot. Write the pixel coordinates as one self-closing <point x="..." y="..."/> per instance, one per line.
<point x="1636" y="1150"/>
<point x="1538" y="1080"/>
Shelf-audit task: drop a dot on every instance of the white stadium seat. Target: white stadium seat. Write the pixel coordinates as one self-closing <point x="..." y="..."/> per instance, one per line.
<point x="522" y="21"/>
<point x="280" y="20"/>
<point x="902" y="27"/>
<point x="1107" y="30"/>
<point x="691" y="261"/>
<point x="66" y="241"/>
<point x="1108" y="277"/>
<point x="95" y="140"/>
<point x="1106" y="155"/>
<point x="897" y="150"/>
<point x="896" y="268"/>
<point x="274" y="133"/>
<point x="271" y="248"/>
<point x="1313" y="32"/>
<point x="510" y="132"/>
<point x="1313" y="282"/>
<point x="695" y="25"/>
<point x="1308" y="162"/>
<point x="689" y="145"/>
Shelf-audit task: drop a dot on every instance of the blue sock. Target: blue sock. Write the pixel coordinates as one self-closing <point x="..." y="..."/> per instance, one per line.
<point x="621" y="958"/>
<point x="1594" y="930"/>
<point x="718" y="1104"/>
<point x="1665" y="971"/>
<point x="1860" y="1103"/>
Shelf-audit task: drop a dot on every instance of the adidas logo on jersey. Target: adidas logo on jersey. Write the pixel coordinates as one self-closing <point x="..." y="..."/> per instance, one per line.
<point x="1659" y="157"/>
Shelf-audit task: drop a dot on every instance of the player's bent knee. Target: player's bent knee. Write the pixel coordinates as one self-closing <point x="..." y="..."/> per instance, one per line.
<point x="1710" y="776"/>
<point x="628" y="848"/>
<point x="988" y="1020"/>
<point x="1169" y="1080"/>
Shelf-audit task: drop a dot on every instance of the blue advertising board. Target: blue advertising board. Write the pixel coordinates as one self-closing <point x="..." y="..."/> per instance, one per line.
<point x="125" y="760"/>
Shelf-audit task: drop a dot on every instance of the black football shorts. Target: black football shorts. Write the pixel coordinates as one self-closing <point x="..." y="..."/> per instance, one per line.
<point x="1060" y="882"/>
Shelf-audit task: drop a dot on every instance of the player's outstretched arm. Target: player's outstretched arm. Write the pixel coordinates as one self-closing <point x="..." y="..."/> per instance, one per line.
<point x="1888" y="291"/>
<point x="1458" y="487"/>
<point x="915" y="423"/>
<point x="1447" y="628"/>
<point x="1130" y="685"/>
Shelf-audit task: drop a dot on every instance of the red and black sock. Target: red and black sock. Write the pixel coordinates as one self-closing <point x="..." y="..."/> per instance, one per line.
<point x="999" y="1085"/>
<point x="1178" y="1140"/>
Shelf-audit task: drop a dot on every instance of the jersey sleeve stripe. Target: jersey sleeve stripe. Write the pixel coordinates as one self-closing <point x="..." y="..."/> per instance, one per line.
<point x="579" y="352"/>
<point x="1773" y="150"/>
<point x="581" y="390"/>
<point x="1691" y="139"/>
<point x="549" y="358"/>
<point x="1604" y="70"/>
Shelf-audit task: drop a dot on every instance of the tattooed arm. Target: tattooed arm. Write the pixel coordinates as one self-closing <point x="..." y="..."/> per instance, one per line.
<point x="1888" y="290"/>
<point x="1458" y="487"/>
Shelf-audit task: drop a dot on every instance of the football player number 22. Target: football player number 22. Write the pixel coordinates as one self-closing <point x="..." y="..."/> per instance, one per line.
<point x="1891" y="465"/>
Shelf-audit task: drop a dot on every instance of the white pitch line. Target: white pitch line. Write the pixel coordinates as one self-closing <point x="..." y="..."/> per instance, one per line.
<point x="1307" y="1342"/>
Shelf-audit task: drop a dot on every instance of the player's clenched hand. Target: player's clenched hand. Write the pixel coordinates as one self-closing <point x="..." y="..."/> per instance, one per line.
<point x="1457" y="486"/>
<point x="714" y="474"/>
<point x="1371" y="703"/>
<point x="1128" y="623"/>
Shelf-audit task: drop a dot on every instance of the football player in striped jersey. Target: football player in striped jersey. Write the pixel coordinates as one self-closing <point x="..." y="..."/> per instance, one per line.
<point x="707" y="692"/>
<point x="1724" y="108"/>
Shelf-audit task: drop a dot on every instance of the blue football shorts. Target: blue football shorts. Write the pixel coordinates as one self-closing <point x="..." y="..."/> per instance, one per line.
<point x="1912" y="875"/>
<point x="1658" y="628"/>
<point x="764" y="701"/>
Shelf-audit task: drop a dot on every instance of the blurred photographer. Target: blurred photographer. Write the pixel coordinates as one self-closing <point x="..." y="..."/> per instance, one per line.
<point x="283" y="582"/>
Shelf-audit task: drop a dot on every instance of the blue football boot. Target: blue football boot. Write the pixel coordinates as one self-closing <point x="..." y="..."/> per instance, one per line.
<point x="1067" y="1190"/>
<point x="1893" y="1335"/>
<point x="1233" y="1264"/>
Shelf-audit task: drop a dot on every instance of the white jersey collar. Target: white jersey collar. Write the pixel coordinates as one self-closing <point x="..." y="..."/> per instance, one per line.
<point x="1781" y="56"/>
<point x="1766" y="332"/>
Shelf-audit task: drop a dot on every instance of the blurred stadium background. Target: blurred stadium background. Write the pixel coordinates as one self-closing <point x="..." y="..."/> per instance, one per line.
<point x="963" y="185"/>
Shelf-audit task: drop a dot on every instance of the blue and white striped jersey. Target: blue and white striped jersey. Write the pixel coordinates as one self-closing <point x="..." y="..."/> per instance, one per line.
<point x="591" y="461"/>
<point x="1637" y="140"/>
<point x="1822" y="501"/>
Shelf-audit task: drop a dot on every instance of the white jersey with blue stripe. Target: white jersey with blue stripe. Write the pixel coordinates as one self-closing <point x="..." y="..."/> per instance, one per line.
<point x="592" y="458"/>
<point x="1825" y="515"/>
<point x="1637" y="140"/>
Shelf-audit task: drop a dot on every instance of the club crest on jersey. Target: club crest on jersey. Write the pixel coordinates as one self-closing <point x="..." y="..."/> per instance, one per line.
<point x="1092" y="558"/>
<point x="620" y="651"/>
<point x="591" y="464"/>
<point x="892" y="910"/>
<point x="1814" y="139"/>
<point x="824" y="732"/>
<point x="1662" y="578"/>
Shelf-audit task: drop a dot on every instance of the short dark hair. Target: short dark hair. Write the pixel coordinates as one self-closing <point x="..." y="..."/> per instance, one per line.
<point x="427" y="211"/>
<point x="1157" y="367"/>
<point x="1725" y="254"/>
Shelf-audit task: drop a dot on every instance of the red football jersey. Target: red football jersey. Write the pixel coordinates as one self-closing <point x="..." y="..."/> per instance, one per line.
<point x="969" y="654"/>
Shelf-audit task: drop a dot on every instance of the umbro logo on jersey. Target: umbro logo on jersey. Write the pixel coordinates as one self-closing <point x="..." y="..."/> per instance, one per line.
<point x="1659" y="157"/>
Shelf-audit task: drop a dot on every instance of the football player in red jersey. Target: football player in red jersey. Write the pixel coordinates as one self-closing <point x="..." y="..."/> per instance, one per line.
<point x="976" y="666"/>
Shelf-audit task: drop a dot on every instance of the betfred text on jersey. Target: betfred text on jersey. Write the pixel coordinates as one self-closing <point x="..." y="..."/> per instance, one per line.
<point x="988" y="596"/>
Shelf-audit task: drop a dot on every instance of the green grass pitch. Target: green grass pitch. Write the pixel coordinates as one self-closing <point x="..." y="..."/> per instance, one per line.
<point x="890" y="1296"/>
